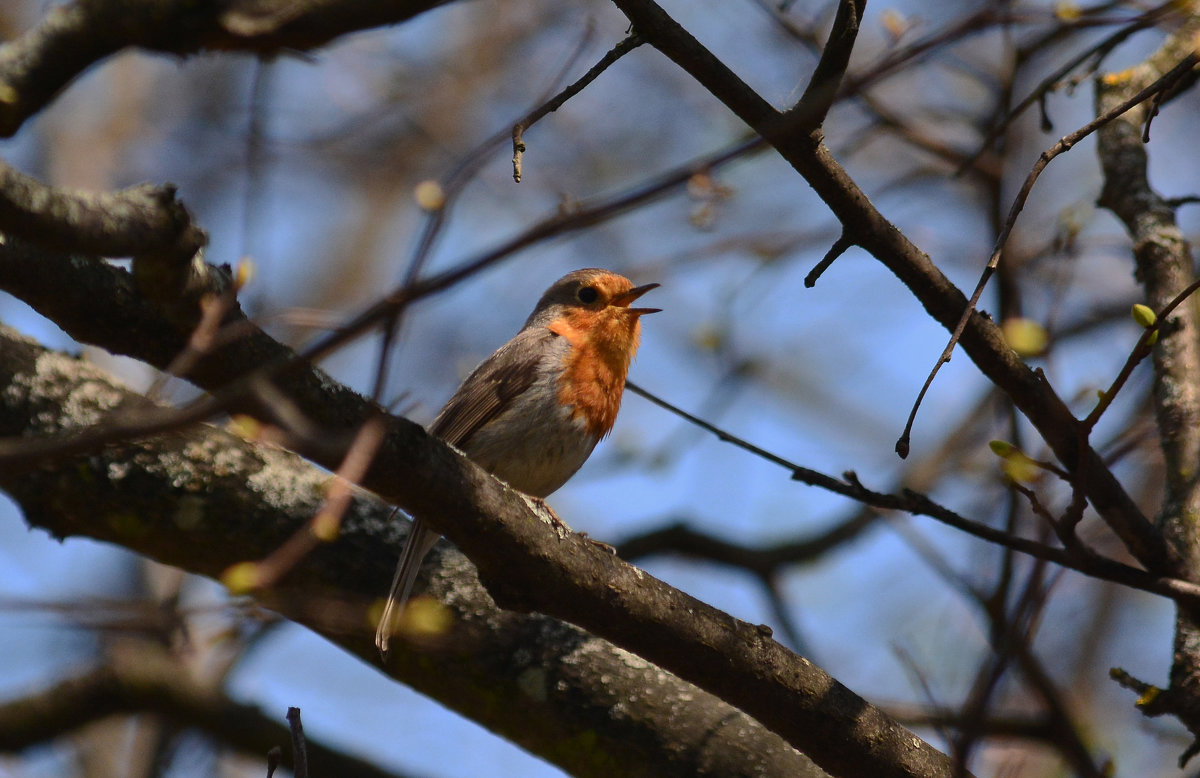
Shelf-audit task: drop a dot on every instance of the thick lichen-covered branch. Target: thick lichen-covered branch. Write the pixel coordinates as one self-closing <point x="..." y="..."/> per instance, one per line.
<point x="202" y="499"/>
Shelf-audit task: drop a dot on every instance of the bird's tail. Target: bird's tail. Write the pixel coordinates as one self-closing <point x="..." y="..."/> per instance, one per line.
<point x="420" y="540"/>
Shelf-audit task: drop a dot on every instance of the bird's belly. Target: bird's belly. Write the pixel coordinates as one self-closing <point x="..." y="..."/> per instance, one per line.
<point x="533" y="447"/>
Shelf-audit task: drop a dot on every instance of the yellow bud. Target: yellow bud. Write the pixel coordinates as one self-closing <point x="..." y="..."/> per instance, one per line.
<point x="894" y="22"/>
<point x="1001" y="448"/>
<point x="1021" y="468"/>
<point x="1120" y="77"/>
<point x="1067" y="11"/>
<point x="710" y="338"/>
<point x="243" y="273"/>
<point x="1143" y="315"/>
<point x="245" y="427"/>
<point x="424" y="619"/>
<point x="326" y="526"/>
<point x="241" y="578"/>
<point x="1025" y="336"/>
<point x="430" y="196"/>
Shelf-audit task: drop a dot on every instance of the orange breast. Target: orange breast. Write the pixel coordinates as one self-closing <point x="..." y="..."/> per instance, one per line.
<point x="602" y="345"/>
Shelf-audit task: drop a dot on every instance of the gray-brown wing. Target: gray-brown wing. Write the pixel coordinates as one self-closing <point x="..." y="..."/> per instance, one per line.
<point x="492" y="386"/>
<point x="486" y="393"/>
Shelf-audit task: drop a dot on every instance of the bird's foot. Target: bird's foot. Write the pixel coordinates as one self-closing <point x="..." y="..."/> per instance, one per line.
<point x="598" y="544"/>
<point x="543" y="509"/>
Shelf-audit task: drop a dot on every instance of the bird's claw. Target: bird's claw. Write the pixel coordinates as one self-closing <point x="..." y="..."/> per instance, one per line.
<point x="598" y="544"/>
<point x="543" y="509"/>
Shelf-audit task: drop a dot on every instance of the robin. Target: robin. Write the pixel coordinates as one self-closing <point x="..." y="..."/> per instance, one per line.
<point x="531" y="413"/>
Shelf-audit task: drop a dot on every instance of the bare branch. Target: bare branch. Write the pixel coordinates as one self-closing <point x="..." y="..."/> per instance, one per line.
<point x="826" y="79"/>
<point x="142" y="219"/>
<point x="72" y="37"/>
<point x="839" y="247"/>
<point x="1164" y="265"/>
<point x="560" y="99"/>
<point x="919" y="504"/>
<point x="203" y="517"/>
<point x="678" y="537"/>
<point x="1066" y="143"/>
<point x="299" y="746"/>
<point x="1094" y="55"/>
<point x="149" y="680"/>
<point x="981" y="338"/>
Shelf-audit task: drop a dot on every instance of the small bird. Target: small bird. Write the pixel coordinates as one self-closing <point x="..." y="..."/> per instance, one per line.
<point x="531" y="413"/>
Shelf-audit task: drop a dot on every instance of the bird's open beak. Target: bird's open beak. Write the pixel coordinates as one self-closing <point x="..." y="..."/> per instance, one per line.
<point x="623" y="300"/>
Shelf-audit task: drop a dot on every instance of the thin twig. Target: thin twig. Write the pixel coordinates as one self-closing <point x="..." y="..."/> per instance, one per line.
<point x="826" y="80"/>
<point x="1063" y="145"/>
<point x="909" y="501"/>
<point x="299" y="747"/>
<point x="204" y="336"/>
<point x="449" y="190"/>
<point x="518" y="130"/>
<point x="839" y="247"/>
<point x="133" y="424"/>
<point x="1140" y="351"/>
<point x="1096" y="53"/>
<point x="323" y="527"/>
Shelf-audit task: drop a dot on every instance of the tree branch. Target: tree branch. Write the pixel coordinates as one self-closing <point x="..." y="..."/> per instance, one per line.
<point x="202" y="500"/>
<point x="576" y="581"/>
<point x="981" y="340"/>
<point x="149" y="680"/>
<point x="133" y="221"/>
<point x="70" y="38"/>
<point x="1164" y="266"/>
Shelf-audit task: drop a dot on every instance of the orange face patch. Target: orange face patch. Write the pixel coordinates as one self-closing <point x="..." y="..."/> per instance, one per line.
<point x="602" y="345"/>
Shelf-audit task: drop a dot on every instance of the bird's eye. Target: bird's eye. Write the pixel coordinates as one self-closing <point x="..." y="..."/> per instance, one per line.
<point x="587" y="295"/>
